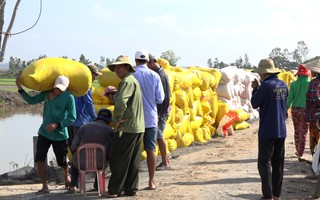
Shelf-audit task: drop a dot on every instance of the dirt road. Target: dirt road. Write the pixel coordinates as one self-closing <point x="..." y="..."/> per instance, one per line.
<point x="225" y="168"/>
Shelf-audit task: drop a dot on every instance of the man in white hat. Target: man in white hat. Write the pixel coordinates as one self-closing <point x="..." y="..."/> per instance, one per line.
<point x="270" y="96"/>
<point x="153" y="94"/>
<point x="58" y="113"/>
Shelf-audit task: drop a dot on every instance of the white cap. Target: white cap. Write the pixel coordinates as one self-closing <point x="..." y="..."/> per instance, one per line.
<point x="142" y="55"/>
<point x="62" y="82"/>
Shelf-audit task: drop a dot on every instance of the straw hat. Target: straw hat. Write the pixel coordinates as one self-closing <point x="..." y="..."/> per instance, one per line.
<point x="266" y="66"/>
<point x="314" y="66"/>
<point x="119" y="61"/>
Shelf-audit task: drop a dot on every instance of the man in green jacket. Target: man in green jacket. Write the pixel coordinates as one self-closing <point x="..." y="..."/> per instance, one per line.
<point x="129" y="128"/>
<point x="59" y="112"/>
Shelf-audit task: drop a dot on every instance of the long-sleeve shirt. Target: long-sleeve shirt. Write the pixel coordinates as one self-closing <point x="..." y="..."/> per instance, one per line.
<point x="271" y="98"/>
<point x="163" y="107"/>
<point x="297" y="92"/>
<point x="152" y="93"/>
<point x="313" y="100"/>
<point x="85" y="109"/>
<point x="59" y="110"/>
<point x="128" y="105"/>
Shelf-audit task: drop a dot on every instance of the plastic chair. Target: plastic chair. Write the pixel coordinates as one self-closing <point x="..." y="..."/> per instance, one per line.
<point x="90" y="150"/>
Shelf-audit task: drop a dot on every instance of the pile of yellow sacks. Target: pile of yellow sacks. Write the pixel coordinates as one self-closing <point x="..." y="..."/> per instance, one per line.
<point x="195" y="108"/>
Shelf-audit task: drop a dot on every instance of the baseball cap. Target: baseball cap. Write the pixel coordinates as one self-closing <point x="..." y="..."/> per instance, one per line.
<point x="94" y="69"/>
<point x="62" y="82"/>
<point x="104" y="114"/>
<point x="109" y="89"/>
<point x="142" y="55"/>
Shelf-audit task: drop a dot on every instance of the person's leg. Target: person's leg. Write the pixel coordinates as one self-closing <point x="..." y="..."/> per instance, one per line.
<point x="277" y="163"/>
<point x="132" y="179"/>
<point x="265" y="151"/>
<point x="162" y="143"/>
<point x="151" y="162"/>
<point x="313" y="136"/>
<point x="150" y="139"/>
<point x="120" y="159"/>
<point x="43" y="145"/>
<point x="303" y="131"/>
<point x="296" y="125"/>
<point x="60" y="149"/>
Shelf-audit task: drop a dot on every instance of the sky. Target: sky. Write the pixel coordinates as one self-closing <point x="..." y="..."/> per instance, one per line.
<point x="194" y="30"/>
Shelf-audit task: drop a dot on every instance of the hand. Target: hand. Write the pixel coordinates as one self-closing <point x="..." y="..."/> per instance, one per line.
<point x="18" y="82"/>
<point x="255" y="84"/>
<point x="51" y="127"/>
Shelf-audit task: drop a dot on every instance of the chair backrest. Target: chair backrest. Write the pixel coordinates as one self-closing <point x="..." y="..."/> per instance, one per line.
<point x="90" y="152"/>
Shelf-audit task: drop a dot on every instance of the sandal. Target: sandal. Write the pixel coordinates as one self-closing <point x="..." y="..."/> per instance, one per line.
<point x="71" y="190"/>
<point x="108" y="195"/>
<point x="42" y="191"/>
<point x="161" y="167"/>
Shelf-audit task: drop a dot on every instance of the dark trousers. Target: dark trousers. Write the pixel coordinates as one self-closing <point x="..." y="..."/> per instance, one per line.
<point x="270" y="166"/>
<point x="125" y="161"/>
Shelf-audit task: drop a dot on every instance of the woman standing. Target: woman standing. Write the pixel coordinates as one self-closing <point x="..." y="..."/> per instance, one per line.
<point x="297" y="101"/>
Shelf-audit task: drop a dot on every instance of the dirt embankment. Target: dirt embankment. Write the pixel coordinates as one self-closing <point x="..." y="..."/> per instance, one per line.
<point x="12" y="99"/>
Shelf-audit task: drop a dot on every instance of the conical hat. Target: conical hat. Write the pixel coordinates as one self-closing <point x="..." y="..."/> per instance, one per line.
<point x="314" y="66"/>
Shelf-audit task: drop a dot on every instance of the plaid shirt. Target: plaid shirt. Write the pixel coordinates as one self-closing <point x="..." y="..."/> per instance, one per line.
<point x="313" y="100"/>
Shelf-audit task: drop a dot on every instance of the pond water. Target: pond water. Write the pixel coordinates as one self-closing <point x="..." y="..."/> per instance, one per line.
<point x="17" y="129"/>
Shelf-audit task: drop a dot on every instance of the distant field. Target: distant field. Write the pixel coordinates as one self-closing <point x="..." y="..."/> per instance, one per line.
<point x="9" y="84"/>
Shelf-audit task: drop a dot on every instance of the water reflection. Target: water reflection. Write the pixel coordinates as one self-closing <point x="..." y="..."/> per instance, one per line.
<point x="17" y="128"/>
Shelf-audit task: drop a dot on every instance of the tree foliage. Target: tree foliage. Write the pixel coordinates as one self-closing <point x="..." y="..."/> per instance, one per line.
<point x="284" y="59"/>
<point x="171" y="57"/>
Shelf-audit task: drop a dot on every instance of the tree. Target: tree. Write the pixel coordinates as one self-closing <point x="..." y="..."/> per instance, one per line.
<point x="210" y="63"/>
<point x="246" y="63"/>
<point x="216" y="63"/>
<point x="16" y="65"/>
<point x="239" y="62"/>
<point x="109" y="61"/>
<point x="301" y="51"/>
<point x="83" y="60"/>
<point x="7" y="33"/>
<point x="170" y="56"/>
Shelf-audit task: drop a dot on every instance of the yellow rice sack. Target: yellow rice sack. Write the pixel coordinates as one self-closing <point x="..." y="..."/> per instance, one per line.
<point x="240" y="125"/>
<point x="108" y="78"/>
<point x="40" y="75"/>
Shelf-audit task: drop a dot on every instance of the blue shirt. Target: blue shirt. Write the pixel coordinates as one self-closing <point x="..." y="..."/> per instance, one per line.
<point x="85" y="109"/>
<point x="152" y="93"/>
<point x="271" y="98"/>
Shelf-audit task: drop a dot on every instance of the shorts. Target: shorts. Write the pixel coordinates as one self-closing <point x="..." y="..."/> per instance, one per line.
<point x="150" y="139"/>
<point x="162" y="125"/>
<point x="60" y="149"/>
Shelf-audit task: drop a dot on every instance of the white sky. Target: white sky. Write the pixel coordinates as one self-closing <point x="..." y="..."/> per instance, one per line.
<point x="195" y="30"/>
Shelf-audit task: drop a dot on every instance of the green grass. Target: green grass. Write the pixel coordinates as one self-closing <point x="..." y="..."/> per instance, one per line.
<point x="7" y="81"/>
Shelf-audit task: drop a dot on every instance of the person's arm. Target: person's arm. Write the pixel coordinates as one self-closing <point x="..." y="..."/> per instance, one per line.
<point x="258" y="96"/>
<point x="89" y="108"/>
<point x="290" y="98"/>
<point x="121" y="98"/>
<point x="71" y="112"/>
<point x="29" y="99"/>
<point x="159" y="90"/>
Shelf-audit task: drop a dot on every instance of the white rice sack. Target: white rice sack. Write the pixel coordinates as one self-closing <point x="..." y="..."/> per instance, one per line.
<point x="226" y="90"/>
<point x="228" y="74"/>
